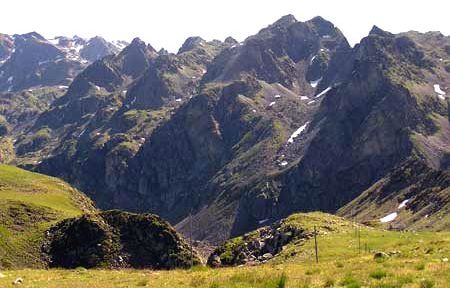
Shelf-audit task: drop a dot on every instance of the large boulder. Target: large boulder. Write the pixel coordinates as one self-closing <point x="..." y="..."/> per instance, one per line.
<point x="116" y="239"/>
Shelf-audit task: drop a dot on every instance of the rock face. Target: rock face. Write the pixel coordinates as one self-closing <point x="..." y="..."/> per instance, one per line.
<point x="110" y="110"/>
<point x="372" y="122"/>
<point x="230" y="133"/>
<point x="117" y="239"/>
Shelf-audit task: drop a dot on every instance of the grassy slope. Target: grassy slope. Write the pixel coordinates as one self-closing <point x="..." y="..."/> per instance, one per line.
<point x="419" y="264"/>
<point x="29" y="204"/>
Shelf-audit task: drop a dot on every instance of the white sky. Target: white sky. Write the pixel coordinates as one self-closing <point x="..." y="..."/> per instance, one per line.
<point x="167" y="23"/>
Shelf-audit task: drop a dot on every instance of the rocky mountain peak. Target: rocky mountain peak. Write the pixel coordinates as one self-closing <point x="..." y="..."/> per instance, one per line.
<point x="137" y="45"/>
<point x="137" y="42"/>
<point x="97" y="48"/>
<point x="163" y="51"/>
<point x="379" y="32"/>
<point x="324" y="27"/>
<point x="230" y="40"/>
<point x="31" y="35"/>
<point x="285" y="21"/>
<point x="191" y="43"/>
<point x="32" y="62"/>
<point x="134" y="59"/>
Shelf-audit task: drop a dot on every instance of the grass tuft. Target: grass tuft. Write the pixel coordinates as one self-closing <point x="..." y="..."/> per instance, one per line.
<point x="378" y="274"/>
<point x="282" y="281"/>
<point x="420" y="266"/>
<point x="350" y="282"/>
<point x="426" y="283"/>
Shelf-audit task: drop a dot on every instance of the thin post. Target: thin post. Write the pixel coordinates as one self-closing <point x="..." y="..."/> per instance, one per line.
<point x="190" y="238"/>
<point x="315" y="243"/>
<point x="359" y="239"/>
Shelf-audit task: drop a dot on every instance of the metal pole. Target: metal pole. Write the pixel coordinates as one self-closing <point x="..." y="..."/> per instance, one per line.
<point x="315" y="244"/>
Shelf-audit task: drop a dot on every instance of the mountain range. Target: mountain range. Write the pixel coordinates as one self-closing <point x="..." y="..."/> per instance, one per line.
<point x="229" y="136"/>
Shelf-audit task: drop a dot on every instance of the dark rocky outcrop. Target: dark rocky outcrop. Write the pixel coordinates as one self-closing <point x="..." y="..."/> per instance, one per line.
<point x="277" y="239"/>
<point x="256" y="247"/>
<point x="117" y="239"/>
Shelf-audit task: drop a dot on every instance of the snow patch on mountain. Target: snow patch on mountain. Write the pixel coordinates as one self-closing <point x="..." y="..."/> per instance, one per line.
<point x="315" y="82"/>
<point x="323" y="92"/>
<point x="389" y="217"/>
<point x="297" y="133"/>
<point x="403" y="204"/>
<point x="438" y="90"/>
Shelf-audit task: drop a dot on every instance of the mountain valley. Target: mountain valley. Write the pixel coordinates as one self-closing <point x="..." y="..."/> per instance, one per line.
<point x="232" y="145"/>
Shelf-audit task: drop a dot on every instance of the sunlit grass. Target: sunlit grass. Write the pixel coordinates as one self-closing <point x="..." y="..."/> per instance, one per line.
<point x="340" y="265"/>
<point x="29" y="204"/>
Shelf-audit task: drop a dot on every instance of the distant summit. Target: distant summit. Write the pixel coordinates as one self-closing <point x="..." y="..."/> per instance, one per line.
<point x="30" y="60"/>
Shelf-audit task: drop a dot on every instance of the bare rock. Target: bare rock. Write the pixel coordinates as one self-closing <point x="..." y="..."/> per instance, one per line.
<point x="18" y="281"/>
<point x="379" y="255"/>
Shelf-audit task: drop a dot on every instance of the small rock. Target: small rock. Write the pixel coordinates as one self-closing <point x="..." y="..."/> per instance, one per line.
<point x="215" y="261"/>
<point x="267" y="256"/>
<point x="252" y="263"/>
<point x="242" y="256"/>
<point x="18" y="281"/>
<point x="445" y="259"/>
<point x="379" y="255"/>
<point x="394" y="253"/>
